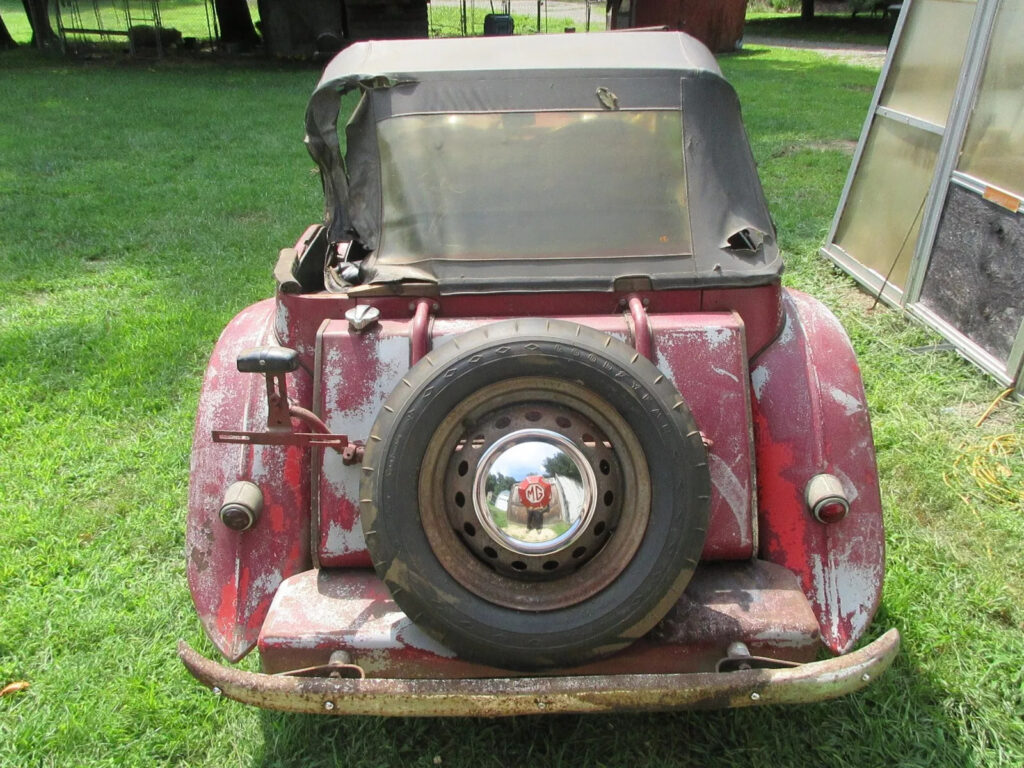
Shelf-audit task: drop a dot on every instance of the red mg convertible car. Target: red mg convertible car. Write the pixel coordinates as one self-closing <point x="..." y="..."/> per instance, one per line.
<point x="531" y="424"/>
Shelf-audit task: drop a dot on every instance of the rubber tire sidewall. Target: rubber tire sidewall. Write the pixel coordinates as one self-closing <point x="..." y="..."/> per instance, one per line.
<point x="647" y="587"/>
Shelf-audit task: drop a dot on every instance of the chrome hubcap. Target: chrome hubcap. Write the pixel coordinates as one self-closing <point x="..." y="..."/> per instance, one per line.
<point x="534" y="492"/>
<point x="533" y="489"/>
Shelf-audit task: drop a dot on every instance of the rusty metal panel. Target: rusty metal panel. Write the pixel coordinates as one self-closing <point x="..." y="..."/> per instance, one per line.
<point x="357" y="371"/>
<point x="233" y="575"/>
<point x="811" y="417"/>
<point x="503" y="697"/>
<point x="705" y="355"/>
<point x="319" y="612"/>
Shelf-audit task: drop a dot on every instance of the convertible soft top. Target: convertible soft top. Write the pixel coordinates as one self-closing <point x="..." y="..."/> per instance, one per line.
<point x="445" y="90"/>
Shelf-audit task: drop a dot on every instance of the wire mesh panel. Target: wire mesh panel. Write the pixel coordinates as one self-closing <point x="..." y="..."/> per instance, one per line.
<point x="137" y="27"/>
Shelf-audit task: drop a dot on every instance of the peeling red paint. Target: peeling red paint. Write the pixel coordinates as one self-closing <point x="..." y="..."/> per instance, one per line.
<point x="802" y="428"/>
<point x="798" y="419"/>
<point x="350" y="610"/>
<point x="233" y="575"/>
<point x="703" y="353"/>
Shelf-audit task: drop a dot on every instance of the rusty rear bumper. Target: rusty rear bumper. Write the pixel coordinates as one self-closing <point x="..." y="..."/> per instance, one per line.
<point x="496" y="697"/>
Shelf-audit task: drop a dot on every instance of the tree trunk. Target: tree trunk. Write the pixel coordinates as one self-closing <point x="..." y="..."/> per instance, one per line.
<point x="806" y="10"/>
<point x="6" y="41"/>
<point x="38" y="12"/>
<point x="235" y="23"/>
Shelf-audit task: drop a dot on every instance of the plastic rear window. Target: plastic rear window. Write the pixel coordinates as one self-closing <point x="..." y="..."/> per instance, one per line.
<point x="532" y="184"/>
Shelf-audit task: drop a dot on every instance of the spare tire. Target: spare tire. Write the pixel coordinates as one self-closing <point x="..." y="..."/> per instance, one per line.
<point x="535" y="494"/>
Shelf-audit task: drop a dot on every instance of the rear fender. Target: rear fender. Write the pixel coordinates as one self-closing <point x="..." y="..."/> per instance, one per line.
<point x="233" y="575"/>
<point x="811" y="417"/>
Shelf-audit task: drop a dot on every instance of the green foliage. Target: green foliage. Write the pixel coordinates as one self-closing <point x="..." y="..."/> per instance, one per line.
<point x="777" y="6"/>
<point x="561" y="464"/>
<point x="142" y="206"/>
<point x="497" y="482"/>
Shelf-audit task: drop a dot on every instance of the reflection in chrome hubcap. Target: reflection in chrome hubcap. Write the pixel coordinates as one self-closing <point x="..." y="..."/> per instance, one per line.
<point x="534" y="488"/>
<point x="534" y="492"/>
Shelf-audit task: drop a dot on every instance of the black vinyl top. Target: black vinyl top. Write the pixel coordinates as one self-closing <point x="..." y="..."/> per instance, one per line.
<point x="548" y="148"/>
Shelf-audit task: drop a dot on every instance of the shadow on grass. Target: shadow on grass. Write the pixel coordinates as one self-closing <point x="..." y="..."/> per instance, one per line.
<point x="840" y="28"/>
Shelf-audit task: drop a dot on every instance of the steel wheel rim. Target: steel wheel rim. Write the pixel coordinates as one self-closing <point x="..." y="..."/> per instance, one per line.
<point x="536" y="588"/>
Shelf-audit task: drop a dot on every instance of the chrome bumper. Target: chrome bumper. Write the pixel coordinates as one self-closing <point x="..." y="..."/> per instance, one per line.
<point x="499" y="697"/>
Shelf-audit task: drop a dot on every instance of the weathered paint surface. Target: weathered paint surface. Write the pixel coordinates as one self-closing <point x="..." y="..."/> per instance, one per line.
<point x="807" y="419"/>
<point x="357" y="373"/>
<point x="503" y="697"/>
<point x="706" y="357"/>
<point x="704" y="354"/>
<point x="233" y="575"/>
<point x="810" y="417"/>
<point x="322" y="611"/>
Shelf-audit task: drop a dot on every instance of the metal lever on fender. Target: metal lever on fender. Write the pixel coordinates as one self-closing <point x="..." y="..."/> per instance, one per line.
<point x="274" y="362"/>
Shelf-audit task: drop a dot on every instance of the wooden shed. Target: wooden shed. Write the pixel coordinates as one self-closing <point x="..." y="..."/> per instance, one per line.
<point x="716" y="23"/>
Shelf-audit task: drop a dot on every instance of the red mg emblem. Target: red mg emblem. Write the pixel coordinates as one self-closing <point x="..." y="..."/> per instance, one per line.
<point x="535" y="491"/>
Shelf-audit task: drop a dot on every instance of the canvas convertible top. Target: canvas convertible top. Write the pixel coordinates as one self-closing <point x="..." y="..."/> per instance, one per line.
<point x="542" y="163"/>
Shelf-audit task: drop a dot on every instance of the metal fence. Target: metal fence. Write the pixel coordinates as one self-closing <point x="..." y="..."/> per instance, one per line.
<point x="139" y="27"/>
<point x="461" y="18"/>
<point x="154" y="28"/>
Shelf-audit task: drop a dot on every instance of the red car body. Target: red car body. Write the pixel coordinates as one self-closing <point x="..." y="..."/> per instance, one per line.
<point x="311" y="533"/>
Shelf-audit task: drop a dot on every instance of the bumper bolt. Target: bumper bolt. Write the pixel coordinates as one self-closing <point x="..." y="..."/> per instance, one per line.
<point x="755" y="696"/>
<point x="328" y="705"/>
<point x="865" y="677"/>
<point x="216" y="691"/>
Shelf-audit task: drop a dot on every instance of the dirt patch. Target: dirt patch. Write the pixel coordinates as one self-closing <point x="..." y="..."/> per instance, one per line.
<point x="849" y="53"/>
<point x="845" y="146"/>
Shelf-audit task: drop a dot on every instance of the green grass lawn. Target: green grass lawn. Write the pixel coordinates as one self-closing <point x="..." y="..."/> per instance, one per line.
<point x="142" y="206"/>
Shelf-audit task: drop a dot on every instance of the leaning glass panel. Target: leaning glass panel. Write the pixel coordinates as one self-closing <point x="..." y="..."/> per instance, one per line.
<point x="926" y="66"/>
<point x="883" y="212"/>
<point x="993" y="150"/>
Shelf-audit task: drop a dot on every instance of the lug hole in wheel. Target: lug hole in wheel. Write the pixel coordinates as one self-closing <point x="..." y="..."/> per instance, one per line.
<point x="491" y="552"/>
<point x="463" y="468"/>
<point x="609" y="497"/>
<point x="604" y="466"/>
<point x="532" y="415"/>
<point x="599" y="528"/>
<point x="563" y="422"/>
<point x="469" y="529"/>
<point x="519" y="565"/>
<point x="588" y="440"/>
<point x="503" y="422"/>
<point x="550" y="565"/>
<point x="579" y="552"/>
<point x="460" y="499"/>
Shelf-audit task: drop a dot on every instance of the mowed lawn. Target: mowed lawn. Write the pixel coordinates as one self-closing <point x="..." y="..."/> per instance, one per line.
<point x="143" y="205"/>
